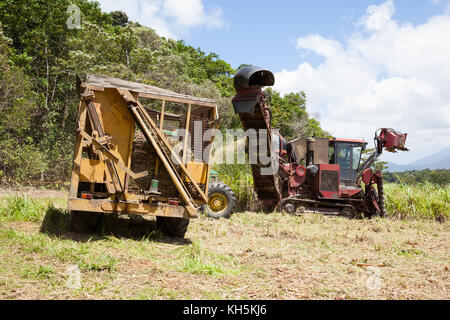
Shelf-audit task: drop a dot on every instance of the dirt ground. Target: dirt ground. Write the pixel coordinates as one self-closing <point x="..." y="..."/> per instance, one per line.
<point x="33" y="192"/>
<point x="249" y="256"/>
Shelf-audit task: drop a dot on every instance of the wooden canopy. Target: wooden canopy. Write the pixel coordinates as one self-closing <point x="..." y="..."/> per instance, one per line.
<point x="97" y="82"/>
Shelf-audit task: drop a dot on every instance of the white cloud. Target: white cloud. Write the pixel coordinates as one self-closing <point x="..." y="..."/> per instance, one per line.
<point x="325" y="47"/>
<point x="191" y="13"/>
<point x="385" y="74"/>
<point x="170" y="18"/>
<point x="378" y="16"/>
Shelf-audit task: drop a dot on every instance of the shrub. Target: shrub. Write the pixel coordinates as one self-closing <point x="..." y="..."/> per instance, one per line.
<point x="20" y="208"/>
<point x="425" y="200"/>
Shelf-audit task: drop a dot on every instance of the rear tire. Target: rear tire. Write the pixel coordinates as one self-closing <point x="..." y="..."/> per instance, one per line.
<point x="172" y="227"/>
<point x="221" y="201"/>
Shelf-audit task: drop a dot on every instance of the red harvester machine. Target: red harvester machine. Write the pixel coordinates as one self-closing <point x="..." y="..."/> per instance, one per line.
<point x="321" y="174"/>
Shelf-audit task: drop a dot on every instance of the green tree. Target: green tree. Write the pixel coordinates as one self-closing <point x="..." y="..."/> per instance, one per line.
<point x="119" y="18"/>
<point x="290" y="116"/>
<point x="40" y="57"/>
<point x="440" y="177"/>
<point x="17" y="102"/>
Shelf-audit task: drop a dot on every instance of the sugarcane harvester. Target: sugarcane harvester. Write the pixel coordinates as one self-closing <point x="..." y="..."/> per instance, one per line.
<point x="310" y="174"/>
<point x="125" y="160"/>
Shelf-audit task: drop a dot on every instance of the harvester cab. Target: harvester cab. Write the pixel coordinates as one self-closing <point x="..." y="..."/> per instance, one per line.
<point x="347" y="154"/>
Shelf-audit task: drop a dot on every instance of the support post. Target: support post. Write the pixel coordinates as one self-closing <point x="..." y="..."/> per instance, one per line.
<point x="186" y="132"/>
<point x="161" y="124"/>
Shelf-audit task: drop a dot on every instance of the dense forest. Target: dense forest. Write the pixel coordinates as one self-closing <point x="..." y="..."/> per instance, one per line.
<point x="40" y="58"/>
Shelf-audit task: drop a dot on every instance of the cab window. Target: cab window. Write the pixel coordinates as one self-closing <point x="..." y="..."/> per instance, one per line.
<point x="344" y="155"/>
<point x="356" y="157"/>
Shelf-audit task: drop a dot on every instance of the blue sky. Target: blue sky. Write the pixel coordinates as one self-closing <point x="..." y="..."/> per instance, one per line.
<point x="262" y="32"/>
<point x="363" y="64"/>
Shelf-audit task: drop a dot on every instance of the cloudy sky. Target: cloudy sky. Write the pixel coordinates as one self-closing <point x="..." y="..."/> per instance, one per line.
<point x="363" y="64"/>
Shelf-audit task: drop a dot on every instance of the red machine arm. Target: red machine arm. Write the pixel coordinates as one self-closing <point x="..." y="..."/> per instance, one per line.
<point x="392" y="141"/>
<point x="388" y="139"/>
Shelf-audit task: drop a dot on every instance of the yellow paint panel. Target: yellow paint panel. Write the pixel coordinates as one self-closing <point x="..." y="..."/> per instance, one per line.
<point x="118" y="123"/>
<point x="198" y="171"/>
<point x="92" y="171"/>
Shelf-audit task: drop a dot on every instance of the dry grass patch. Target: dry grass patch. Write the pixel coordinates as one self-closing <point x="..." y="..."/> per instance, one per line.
<point x="250" y="256"/>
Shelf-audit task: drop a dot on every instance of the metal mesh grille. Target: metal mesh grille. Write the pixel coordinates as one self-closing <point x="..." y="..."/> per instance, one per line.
<point x="329" y="180"/>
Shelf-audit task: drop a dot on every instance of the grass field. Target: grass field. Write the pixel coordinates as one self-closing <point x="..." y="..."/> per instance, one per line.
<point x="403" y="201"/>
<point x="250" y="256"/>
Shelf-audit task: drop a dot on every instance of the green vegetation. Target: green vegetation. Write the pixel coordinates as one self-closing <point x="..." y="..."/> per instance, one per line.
<point x="20" y="208"/>
<point x="40" y="56"/>
<point x="425" y="200"/>
<point x="98" y="262"/>
<point x="195" y="260"/>
<point x="239" y="178"/>
<point x="440" y="177"/>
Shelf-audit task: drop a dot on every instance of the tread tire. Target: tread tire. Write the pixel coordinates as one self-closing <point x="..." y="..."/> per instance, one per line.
<point x="222" y="188"/>
<point x="172" y="227"/>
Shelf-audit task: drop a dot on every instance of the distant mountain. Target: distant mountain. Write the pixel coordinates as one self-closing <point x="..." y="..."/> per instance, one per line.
<point x="439" y="160"/>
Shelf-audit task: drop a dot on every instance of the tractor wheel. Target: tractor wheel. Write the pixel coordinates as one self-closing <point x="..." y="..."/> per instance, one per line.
<point x="84" y="222"/>
<point x="288" y="207"/>
<point x="221" y="201"/>
<point x="172" y="227"/>
<point x="291" y="207"/>
<point x="348" y="212"/>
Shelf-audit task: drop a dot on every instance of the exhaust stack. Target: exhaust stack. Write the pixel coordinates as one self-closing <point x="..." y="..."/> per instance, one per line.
<point x="310" y="148"/>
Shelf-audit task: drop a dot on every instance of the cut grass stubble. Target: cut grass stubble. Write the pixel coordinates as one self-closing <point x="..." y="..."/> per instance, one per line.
<point x="250" y="256"/>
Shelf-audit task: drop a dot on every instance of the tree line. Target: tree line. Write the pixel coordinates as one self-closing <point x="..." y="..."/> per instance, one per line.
<point x="40" y="57"/>
<point x="441" y="176"/>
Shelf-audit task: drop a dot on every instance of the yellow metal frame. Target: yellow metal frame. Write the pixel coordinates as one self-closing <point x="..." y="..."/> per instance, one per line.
<point x="109" y="206"/>
<point x="106" y="126"/>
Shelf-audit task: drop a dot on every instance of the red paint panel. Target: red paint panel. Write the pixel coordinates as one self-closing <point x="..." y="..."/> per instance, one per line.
<point x="327" y="180"/>
<point x="348" y="193"/>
